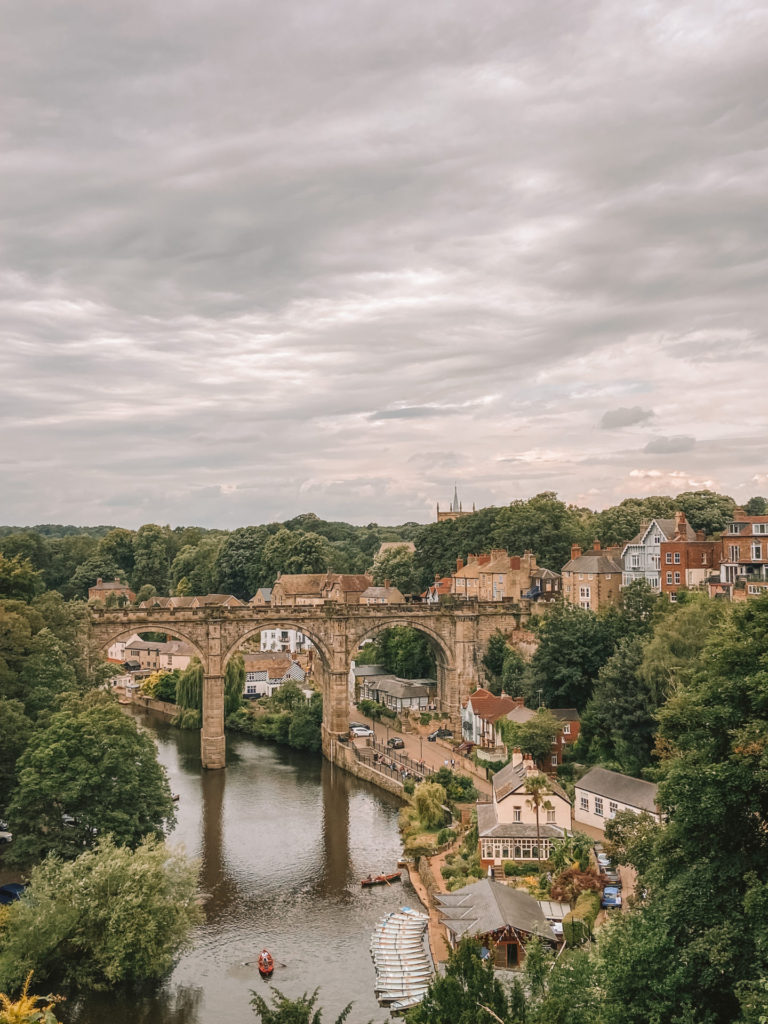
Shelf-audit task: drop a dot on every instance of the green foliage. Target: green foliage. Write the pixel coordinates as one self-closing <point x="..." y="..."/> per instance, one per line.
<point x="291" y="1011"/>
<point x="240" y="566"/>
<point x="46" y="673"/>
<point x="234" y="683"/>
<point x="15" y="732"/>
<point x="189" y="688"/>
<point x="458" y="788"/>
<point x="90" y="762"/>
<point x="468" y="984"/>
<point x="403" y="651"/>
<point x="429" y="798"/>
<point x="287" y="718"/>
<point x="493" y="660"/>
<point x="112" y="916"/>
<point x="162" y="685"/>
<point x="533" y="737"/>
<point x="399" y="567"/>
<point x="445" y="835"/>
<point x="756" y="506"/>
<point x="117" y="548"/>
<point x="305" y="730"/>
<point x="579" y="923"/>
<point x="152" y="546"/>
<point x="19" y="580"/>
<point x="706" y="510"/>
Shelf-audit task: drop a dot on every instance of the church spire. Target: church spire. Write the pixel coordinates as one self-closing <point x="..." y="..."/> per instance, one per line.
<point x="455" y="507"/>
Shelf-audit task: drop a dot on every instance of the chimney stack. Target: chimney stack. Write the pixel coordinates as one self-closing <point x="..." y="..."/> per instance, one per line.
<point x="701" y="535"/>
<point x="596" y="545"/>
<point x="459" y="564"/>
<point x="575" y="551"/>
<point x="98" y="582"/>
<point x="517" y="757"/>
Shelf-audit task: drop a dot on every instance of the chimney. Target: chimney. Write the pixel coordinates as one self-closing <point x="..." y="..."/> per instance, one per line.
<point x="575" y="551"/>
<point x="530" y="765"/>
<point x="459" y="564"/>
<point x="386" y="584"/>
<point x="98" y="582"/>
<point x="517" y="757"/>
<point x="596" y="545"/>
<point x="701" y="535"/>
<point x="679" y="520"/>
<point x="739" y="513"/>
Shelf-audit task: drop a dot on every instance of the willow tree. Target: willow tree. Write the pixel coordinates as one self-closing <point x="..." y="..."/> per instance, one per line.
<point x="234" y="683"/>
<point x="189" y="689"/>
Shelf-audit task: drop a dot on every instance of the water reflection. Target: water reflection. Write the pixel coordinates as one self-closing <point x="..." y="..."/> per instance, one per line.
<point x="283" y="839"/>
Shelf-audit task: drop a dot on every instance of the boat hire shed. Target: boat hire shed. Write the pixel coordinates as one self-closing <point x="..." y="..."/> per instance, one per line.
<point x="502" y="918"/>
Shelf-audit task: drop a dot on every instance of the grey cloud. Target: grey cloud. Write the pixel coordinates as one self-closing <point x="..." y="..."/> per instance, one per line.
<point x="411" y="412"/>
<point x="613" y="419"/>
<point x="670" y="445"/>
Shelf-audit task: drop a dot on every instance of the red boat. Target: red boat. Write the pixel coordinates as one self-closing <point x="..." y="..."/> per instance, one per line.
<point x="380" y="879"/>
<point x="265" y="963"/>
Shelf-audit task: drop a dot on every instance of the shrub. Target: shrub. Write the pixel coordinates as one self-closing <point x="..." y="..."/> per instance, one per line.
<point x="425" y="718"/>
<point x="571" y="883"/>
<point x="445" y="835"/>
<point x="409" y="786"/>
<point x="578" y="925"/>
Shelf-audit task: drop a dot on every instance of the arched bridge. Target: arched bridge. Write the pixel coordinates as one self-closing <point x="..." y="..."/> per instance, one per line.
<point x="458" y="635"/>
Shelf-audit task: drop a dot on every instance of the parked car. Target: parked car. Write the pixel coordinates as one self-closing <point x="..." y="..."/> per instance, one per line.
<point x="603" y="861"/>
<point x="357" y="725"/>
<point x="440" y="734"/>
<point x="360" y="731"/>
<point x="5" y="834"/>
<point x="10" y="892"/>
<point x="611" y="876"/>
<point x="611" y="897"/>
<point x="396" y="743"/>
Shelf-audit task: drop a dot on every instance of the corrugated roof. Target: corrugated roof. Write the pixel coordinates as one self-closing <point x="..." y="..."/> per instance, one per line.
<point x="488" y="906"/>
<point x="623" y="788"/>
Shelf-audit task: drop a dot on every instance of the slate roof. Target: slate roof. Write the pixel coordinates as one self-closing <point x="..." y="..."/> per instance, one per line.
<point x="489" y="827"/>
<point x="623" y="788"/>
<point x="161" y="646"/>
<point x="369" y="670"/>
<point x="521" y="715"/>
<point x="594" y="562"/>
<point x="266" y="594"/>
<point x="667" y="528"/>
<point x="110" y="585"/>
<point x="388" y="594"/>
<point x="512" y="778"/>
<point x="302" y="583"/>
<point x="488" y="906"/>
<point x="400" y="688"/>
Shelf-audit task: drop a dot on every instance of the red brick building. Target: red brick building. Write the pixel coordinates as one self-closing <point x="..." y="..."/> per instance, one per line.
<point x="743" y="554"/>
<point x="685" y="562"/>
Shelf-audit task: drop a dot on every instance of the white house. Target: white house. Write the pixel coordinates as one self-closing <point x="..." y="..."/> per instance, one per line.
<point x="481" y="713"/>
<point x="601" y="794"/>
<point x="291" y="640"/>
<point x="641" y="557"/>
<point x="507" y="826"/>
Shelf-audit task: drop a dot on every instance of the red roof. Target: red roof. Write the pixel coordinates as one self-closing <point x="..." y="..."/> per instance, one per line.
<point x="491" y="708"/>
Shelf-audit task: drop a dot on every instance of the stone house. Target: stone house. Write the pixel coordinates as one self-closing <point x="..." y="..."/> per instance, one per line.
<point x="592" y="579"/>
<point x="496" y="576"/>
<point x="102" y="590"/>
<point x="317" y="588"/>
<point x="262" y="598"/>
<point x="157" y="656"/>
<point x="601" y="794"/>
<point x="382" y="595"/>
<point x="507" y="826"/>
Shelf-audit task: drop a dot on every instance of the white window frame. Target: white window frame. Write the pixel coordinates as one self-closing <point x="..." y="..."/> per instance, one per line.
<point x="584" y="803"/>
<point x="677" y="558"/>
<point x="599" y="806"/>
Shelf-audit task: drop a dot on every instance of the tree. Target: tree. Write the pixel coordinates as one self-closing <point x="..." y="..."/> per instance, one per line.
<point x="87" y="772"/>
<point x="88" y="572"/>
<point x="305" y="730"/>
<point x="544" y="525"/>
<point x="234" y="683"/>
<point x="513" y="671"/>
<point x="117" y="546"/>
<point x="533" y="737"/>
<point x="573" y="645"/>
<point x="15" y="730"/>
<point x="151" y="556"/>
<point x="429" y="799"/>
<point x="47" y="673"/>
<point x="295" y="552"/>
<point x="240" y="565"/>
<point x="620" y="523"/>
<point x="397" y="565"/>
<point x="706" y="510"/>
<point x="19" y="579"/>
<point x="493" y="660"/>
<point x="468" y="987"/>
<point x="113" y="916"/>
<point x="756" y="506"/>
<point x="189" y="688"/>
<point x="292" y="1011"/>
<point x="402" y="650"/>
<point x="197" y="565"/>
<point x="537" y="787"/>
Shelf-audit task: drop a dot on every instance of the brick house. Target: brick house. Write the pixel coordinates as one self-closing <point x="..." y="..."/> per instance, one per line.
<point x="641" y="557"/>
<point x="568" y="733"/>
<point x="498" y="576"/>
<point x="685" y="562"/>
<point x="743" y="554"/>
<point x="592" y="579"/>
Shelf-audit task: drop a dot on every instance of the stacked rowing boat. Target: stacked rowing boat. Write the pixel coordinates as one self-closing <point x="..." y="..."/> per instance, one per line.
<point x="401" y="958"/>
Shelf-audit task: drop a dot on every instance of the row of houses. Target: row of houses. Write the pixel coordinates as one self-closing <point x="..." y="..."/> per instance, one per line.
<point x="669" y="555"/>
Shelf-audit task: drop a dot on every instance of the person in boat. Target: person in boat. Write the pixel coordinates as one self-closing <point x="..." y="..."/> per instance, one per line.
<point x="265" y="960"/>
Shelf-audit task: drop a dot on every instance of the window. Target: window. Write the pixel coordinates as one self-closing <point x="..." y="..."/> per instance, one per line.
<point x="612" y="807"/>
<point x="585" y="592"/>
<point x="752" y="589"/>
<point x="551" y="817"/>
<point x="760" y="527"/>
<point x="669" y="577"/>
<point x="590" y="576"/>
<point x="677" y="558"/>
<point x="757" y="550"/>
<point x="673" y="597"/>
<point x="516" y="814"/>
<point x="584" y="803"/>
<point x="657" y="539"/>
<point x="567" y="729"/>
<point x="599" y="806"/>
<point x="733" y="552"/>
<point x="677" y="577"/>
<point x="703" y="557"/>
<point x="635" y="561"/>
<point x="607" y="576"/>
<point x="554" y="765"/>
<point x="669" y="558"/>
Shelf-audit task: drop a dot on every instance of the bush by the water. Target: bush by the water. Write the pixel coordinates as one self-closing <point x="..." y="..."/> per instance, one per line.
<point x="287" y="717"/>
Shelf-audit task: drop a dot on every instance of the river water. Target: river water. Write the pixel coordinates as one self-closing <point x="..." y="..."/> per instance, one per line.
<point x="283" y="839"/>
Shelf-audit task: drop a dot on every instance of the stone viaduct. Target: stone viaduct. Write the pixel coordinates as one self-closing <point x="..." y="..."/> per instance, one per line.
<point x="458" y="635"/>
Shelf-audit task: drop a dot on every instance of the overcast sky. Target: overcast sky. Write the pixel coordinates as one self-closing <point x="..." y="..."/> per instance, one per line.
<point x="267" y="257"/>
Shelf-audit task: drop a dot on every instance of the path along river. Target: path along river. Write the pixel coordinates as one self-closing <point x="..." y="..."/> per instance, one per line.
<point x="283" y="840"/>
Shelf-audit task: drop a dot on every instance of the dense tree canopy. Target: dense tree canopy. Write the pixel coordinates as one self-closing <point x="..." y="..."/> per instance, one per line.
<point x="88" y="772"/>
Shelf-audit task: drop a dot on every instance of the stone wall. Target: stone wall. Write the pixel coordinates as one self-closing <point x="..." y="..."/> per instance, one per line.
<point x="342" y="755"/>
<point x="171" y="710"/>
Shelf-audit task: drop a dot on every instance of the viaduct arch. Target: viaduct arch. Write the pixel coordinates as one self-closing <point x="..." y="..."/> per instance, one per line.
<point x="458" y="634"/>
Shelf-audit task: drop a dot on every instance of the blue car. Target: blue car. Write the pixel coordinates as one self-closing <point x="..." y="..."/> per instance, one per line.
<point x="10" y="892"/>
<point x="611" y="897"/>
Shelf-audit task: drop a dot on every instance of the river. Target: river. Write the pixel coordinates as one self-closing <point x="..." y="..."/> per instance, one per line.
<point x="283" y="839"/>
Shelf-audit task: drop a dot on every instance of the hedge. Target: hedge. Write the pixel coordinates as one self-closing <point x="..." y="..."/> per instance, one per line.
<point x="577" y="926"/>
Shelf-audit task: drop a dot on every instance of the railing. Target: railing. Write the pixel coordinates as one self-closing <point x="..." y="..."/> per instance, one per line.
<point x="392" y="761"/>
